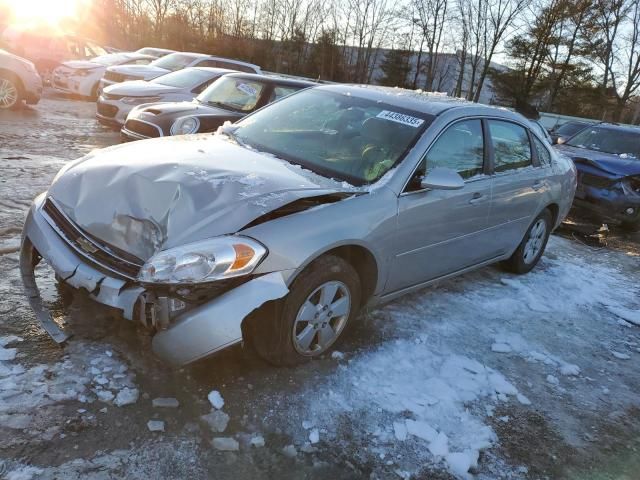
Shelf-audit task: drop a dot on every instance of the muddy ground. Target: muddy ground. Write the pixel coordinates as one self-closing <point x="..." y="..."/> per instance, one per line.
<point x="53" y="424"/>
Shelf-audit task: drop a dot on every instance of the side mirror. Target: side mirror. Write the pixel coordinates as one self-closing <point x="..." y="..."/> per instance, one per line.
<point x="560" y="140"/>
<point x="441" y="178"/>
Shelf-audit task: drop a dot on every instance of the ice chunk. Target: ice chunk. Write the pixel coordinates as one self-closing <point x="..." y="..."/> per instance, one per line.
<point x="23" y="473"/>
<point x="314" y="436"/>
<point x="501" y="347"/>
<point x="257" y="441"/>
<point x="620" y="356"/>
<point x="523" y="400"/>
<point x="307" y="424"/>
<point x="570" y="369"/>
<point x="217" y="420"/>
<point x="460" y="463"/>
<point x="422" y="430"/>
<point x="337" y="355"/>
<point x="553" y="380"/>
<point x="155" y="425"/>
<point x="628" y="315"/>
<point x="127" y="396"/>
<point x="104" y="395"/>
<point x="216" y="399"/>
<point x="8" y="353"/>
<point x="289" y="451"/>
<point x="400" y="431"/>
<point x="165" y="402"/>
<point x="226" y="444"/>
<point x="440" y="445"/>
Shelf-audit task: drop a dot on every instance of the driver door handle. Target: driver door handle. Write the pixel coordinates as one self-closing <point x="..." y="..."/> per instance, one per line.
<point x="538" y="185"/>
<point x="477" y="198"/>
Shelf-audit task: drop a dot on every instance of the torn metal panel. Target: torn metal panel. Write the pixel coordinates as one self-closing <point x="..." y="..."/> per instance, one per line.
<point x="216" y="324"/>
<point x="149" y="201"/>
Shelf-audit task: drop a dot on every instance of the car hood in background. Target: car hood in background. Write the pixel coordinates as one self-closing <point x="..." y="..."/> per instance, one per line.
<point x="608" y="162"/>
<point x="157" y="194"/>
<point x="187" y="108"/>
<point x="147" y="72"/>
<point x="82" y="64"/>
<point x="140" y="88"/>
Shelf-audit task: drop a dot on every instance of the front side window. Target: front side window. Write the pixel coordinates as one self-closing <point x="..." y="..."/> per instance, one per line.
<point x="336" y="135"/>
<point x="281" y="92"/>
<point x="511" y="146"/>
<point x="233" y="93"/>
<point x="460" y="148"/>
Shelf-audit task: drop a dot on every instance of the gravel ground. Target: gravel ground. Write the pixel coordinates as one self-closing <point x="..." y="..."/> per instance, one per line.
<point x="546" y="420"/>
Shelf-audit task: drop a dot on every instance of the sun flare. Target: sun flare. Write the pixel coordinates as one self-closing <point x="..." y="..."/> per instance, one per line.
<point x="50" y="12"/>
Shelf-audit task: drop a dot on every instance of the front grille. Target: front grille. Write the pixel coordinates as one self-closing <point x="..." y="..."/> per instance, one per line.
<point x="107" y="110"/>
<point x="142" y="128"/>
<point x="114" y="77"/>
<point x="108" y="257"/>
<point x="595" y="180"/>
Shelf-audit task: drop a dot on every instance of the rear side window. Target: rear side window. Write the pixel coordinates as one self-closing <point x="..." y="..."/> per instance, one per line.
<point x="511" y="146"/>
<point x="543" y="154"/>
<point x="460" y="147"/>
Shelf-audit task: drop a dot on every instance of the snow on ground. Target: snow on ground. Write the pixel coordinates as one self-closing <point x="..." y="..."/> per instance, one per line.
<point x="425" y="396"/>
<point x="29" y="395"/>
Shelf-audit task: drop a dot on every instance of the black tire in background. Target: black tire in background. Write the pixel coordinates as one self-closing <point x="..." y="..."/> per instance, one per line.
<point x="271" y="334"/>
<point x="518" y="262"/>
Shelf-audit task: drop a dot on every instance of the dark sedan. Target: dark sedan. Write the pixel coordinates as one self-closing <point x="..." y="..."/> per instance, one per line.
<point x="607" y="157"/>
<point x="566" y="130"/>
<point x="228" y="99"/>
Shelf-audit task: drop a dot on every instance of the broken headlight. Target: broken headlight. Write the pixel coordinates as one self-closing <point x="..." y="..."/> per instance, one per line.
<point x="205" y="261"/>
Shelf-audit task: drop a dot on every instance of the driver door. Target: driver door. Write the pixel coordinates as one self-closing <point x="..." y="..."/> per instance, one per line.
<point x="444" y="231"/>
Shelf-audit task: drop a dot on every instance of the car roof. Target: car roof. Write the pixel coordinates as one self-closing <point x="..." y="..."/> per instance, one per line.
<point x="220" y="71"/>
<point x="273" y="79"/>
<point x="425" y="102"/>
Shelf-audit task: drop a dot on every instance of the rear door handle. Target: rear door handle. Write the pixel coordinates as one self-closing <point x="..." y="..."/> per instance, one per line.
<point x="477" y="198"/>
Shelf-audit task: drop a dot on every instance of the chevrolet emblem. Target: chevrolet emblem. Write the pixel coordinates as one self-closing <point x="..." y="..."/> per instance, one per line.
<point x="86" y="245"/>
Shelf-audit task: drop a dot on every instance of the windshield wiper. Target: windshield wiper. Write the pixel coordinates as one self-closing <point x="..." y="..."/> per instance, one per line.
<point x="221" y="105"/>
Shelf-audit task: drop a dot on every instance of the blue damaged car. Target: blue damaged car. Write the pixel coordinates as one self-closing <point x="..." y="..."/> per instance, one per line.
<point x="607" y="157"/>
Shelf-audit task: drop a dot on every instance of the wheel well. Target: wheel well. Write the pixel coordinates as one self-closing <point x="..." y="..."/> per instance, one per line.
<point x="365" y="264"/>
<point x="10" y="74"/>
<point x="554" y="209"/>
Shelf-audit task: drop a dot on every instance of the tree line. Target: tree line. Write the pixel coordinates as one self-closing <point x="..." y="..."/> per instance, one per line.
<point x="577" y="57"/>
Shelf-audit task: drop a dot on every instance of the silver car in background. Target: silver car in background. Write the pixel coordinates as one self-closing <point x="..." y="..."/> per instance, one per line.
<point x="279" y="229"/>
<point x="19" y="80"/>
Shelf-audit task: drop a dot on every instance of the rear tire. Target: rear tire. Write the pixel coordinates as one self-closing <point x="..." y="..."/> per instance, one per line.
<point x="532" y="246"/>
<point x="304" y="325"/>
<point x="10" y="92"/>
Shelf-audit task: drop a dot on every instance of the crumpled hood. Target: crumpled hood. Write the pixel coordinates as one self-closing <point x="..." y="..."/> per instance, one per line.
<point x="140" y="88"/>
<point x="610" y="163"/>
<point x="81" y="64"/>
<point x="156" y="194"/>
<point x="146" y="72"/>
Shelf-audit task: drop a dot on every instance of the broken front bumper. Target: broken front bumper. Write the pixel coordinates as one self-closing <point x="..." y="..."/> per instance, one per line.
<point x="189" y="336"/>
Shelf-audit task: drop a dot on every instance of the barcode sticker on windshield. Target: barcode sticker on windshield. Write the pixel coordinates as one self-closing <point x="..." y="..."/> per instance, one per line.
<point x="401" y="118"/>
<point x="245" y="88"/>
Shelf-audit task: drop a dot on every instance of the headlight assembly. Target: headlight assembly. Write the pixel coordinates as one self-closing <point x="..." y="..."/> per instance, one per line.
<point x="185" y="125"/>
<point x="205" y="261"/>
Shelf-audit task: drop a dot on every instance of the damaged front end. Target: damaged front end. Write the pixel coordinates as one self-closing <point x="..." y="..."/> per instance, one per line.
<point x="192" y="321"/>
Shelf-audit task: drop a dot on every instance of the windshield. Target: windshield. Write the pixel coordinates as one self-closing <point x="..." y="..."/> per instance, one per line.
<point x="232" y="93"/>
<point x="158" y="52"/>
<point x="187" y="78"/>
<point x="608" y="140"/>
<point x="335" y="135"/>
<point x="96" y="49"/>
<point x="570" y="128"/>
<point x="175" y="61"/>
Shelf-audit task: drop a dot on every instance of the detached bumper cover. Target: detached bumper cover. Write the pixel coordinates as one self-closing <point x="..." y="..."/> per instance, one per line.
<point x="195" y="334"/>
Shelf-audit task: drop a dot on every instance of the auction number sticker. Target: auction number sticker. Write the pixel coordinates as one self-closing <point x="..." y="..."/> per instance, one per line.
<point x="245" y="88"/>
<point x="401" y="118"/>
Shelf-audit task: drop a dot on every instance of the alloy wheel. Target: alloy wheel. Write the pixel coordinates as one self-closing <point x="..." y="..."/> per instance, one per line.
<point x="8" y="93"/>
<point x="535" y="241"/>
<point x="321" y="318"/>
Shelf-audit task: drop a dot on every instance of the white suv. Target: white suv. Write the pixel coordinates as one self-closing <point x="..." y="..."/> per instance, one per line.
<point x="19" y="80"/>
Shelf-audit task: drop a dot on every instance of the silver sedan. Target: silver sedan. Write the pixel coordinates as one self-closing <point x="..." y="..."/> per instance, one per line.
<point x="279" y="229"/>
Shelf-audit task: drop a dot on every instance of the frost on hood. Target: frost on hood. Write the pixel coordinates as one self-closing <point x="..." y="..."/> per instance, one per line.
<point x="167" y="192"/>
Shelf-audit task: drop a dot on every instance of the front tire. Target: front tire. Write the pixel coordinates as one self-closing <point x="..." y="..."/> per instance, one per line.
<point x="532" y="246"/>
<point x="10" y="92"/>
<point x="312" y="318"/>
